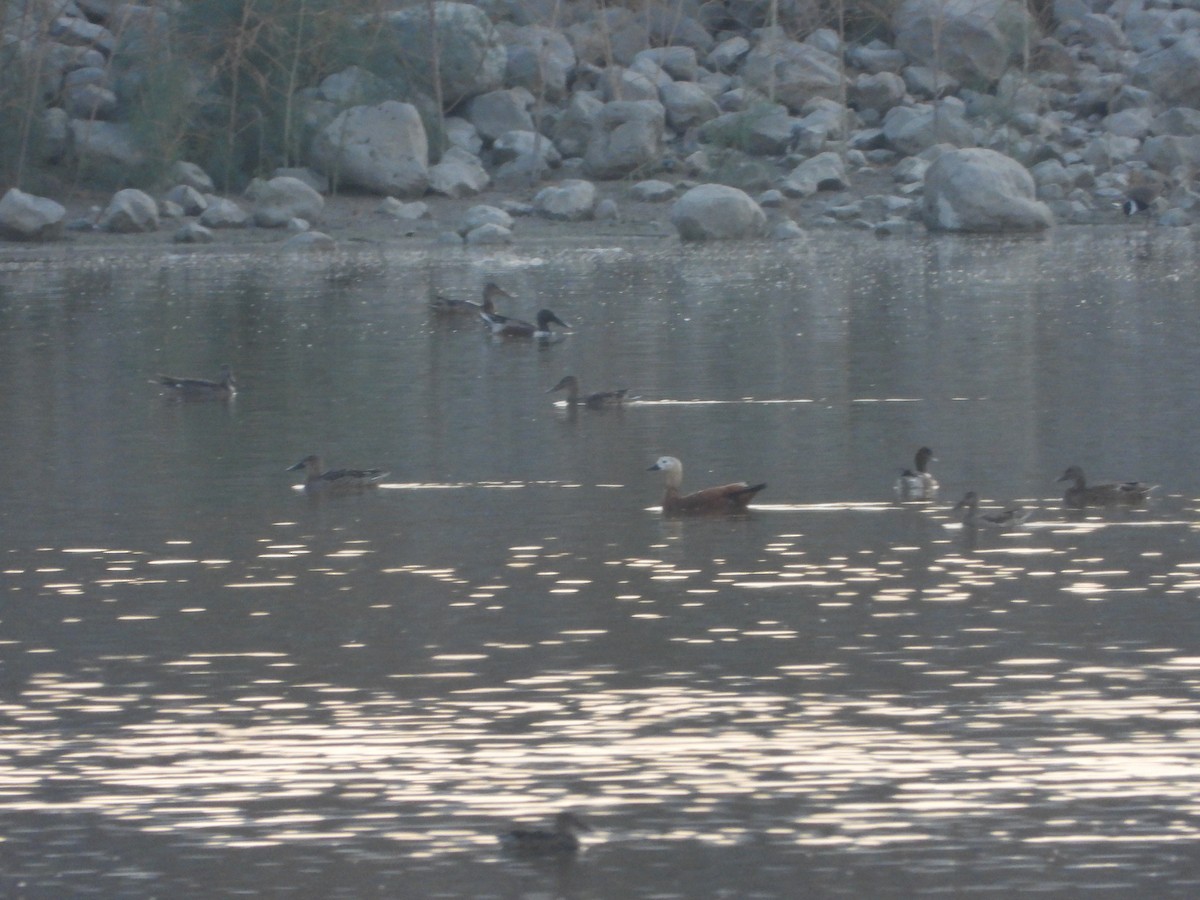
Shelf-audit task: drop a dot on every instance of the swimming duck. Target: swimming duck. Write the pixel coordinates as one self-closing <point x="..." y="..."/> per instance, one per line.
<point x="599" y="400"/>
<point x="725" y="498"/>
<point x="503" y="326"/>
<point x="916" y="483"/>
<point x="1009" y="517"/>
<point x="317" y="477"/>
<point x="1081" y="494"/>
<point x="200" y="388"/>
<point x="454" y="307"/>
<point x="535" y="840"/>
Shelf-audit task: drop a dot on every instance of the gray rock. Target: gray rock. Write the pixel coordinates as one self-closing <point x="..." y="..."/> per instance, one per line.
<point x="26" y="217"/>
<point x="927" y="83"/>
<point x="381" y="149"/>
<point x="879" y="92"/>
<point x="786" y="230"/>
<point x="284" y="198"/>
<point x="78" y="31"/>
<point x="687" y="105"/>
<point x="971" y="39"/>
<point x="462" y="134"/>
<point x="763" y="130"/>
<point x="513" y="144"/>
<point x="982" y="190"/>
<point x="192" y="175"/>
<point x="471" y="55"/>
<point x="89" y="101"/>
<point x="310" y="241"/>
<point x="314" y="180"/>
<point x="573" y="130"/>
<point x="56" y="136"/>
<point x="793" y="72"/>
<point x="540" y="59"/>
<point x="876" y="57"/>
<point x="459" y="174"/>
<point x="652" y="191"/>
<point x="626" y="137"/>
<point x="1179" y="121"/>
<point x="717" y="212"/>
<point x="496" y="112"/>
<point x="223" y="213"/>
<point x="1132" y="123"/>
<point x="1169" y="152"/>
<point x="618" y="83"/>
<point x="169" y="210"/>
<point x="489" y="234"/>
<point x="522" y="172"/>
<point x="193" y="233"/>
<point x="573" y="200"/>
<point x="129" y="211"/>
<point x="354" y="86"/>
<point x="106" y="143"/>
<point x="607" y="211"/>
<point x="677" y="61"/>
<point x="1173" y="73"/>
<point x="406" y="212"/>
<point x="478" y="216"/>
<point x="823" y="172"/>
<point x="190" y="200"/>
<point x="911" y="129"/>
<point x="726" y="56"/>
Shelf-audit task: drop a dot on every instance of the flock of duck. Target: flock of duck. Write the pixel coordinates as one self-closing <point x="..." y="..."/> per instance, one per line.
<point x="918" y="483"/>
<point x="914" y="484"/>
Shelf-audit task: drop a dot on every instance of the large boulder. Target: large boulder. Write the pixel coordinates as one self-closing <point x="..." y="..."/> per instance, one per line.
<point x="626" y="137"/>
<point x="793" y="72"/>
<point x="687" y="105"/>
<point x="1174" y="72"/>
<point x="911" y="129"/>
<point x="717" y="212"/>
<point x="381" y="148"/>
<point x="25" y="217"/>
<point x="130" y="211"/>
<point x="280" y="200"/>
<point x="496" y="112"/>
<point x="540" y="60"/>
<point x="974" y="40"/>
<point x="572" y="200"/>
<point x="574" y="127"/>
<point x="982" y="190"/>
<point x="470" y="54"/>
<point x="823" y="172"/>
<point x="459" y="174"/>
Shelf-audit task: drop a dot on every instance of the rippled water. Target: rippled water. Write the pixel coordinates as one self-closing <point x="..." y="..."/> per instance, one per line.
<point x="214" y="683"/>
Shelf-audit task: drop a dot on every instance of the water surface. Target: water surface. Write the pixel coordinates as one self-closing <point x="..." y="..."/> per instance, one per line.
<point x="213" y="683"/>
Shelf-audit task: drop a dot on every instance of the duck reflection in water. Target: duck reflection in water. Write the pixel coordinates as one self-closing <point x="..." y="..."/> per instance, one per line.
<point x="725" y="498"/>
<point x="199" y="388"/>
<point x="562" y="840"/>
<point x="318" y="478"/>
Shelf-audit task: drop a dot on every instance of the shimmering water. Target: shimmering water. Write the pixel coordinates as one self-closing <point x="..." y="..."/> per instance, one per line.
<point x="212" y="683"/>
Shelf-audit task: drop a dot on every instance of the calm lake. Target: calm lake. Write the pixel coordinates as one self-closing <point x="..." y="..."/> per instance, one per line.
<point x="215" y="684"/>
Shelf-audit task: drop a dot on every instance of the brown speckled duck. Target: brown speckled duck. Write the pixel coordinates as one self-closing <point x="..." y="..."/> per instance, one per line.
<point x="1081" y="494"/>
<point x="598" y="400"/>
<point x="725" y="498"/>
<point x="561" y="840"/>
<point x="199" y="388"/>
<point x="318" y="478"/>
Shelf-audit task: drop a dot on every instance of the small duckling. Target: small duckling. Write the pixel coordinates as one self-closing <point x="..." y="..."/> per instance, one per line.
<point x="725" y="498"/>
<point x="199" y="388"/>
<point x="1009" y="517"/>
<point x="916" y="483"/>
<point x="598" y="400"/>
<point x="318" y="478"/>
<point x="562" y="840"/>
<point x="1081" y="494"/>
<point x="503" y="326"/>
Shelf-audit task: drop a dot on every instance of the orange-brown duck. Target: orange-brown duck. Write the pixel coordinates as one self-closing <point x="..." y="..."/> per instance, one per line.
<point x="725" y="498"/>
<point x="200" y="388"/>
<point x="318" y="478"/>
<point x="598" y="400"/>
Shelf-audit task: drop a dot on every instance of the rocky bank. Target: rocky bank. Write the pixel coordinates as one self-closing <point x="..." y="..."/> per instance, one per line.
<point x="689" y="119"/>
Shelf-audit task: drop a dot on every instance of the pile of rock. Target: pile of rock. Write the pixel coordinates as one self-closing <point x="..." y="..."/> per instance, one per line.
<point x="982" y="122"/>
